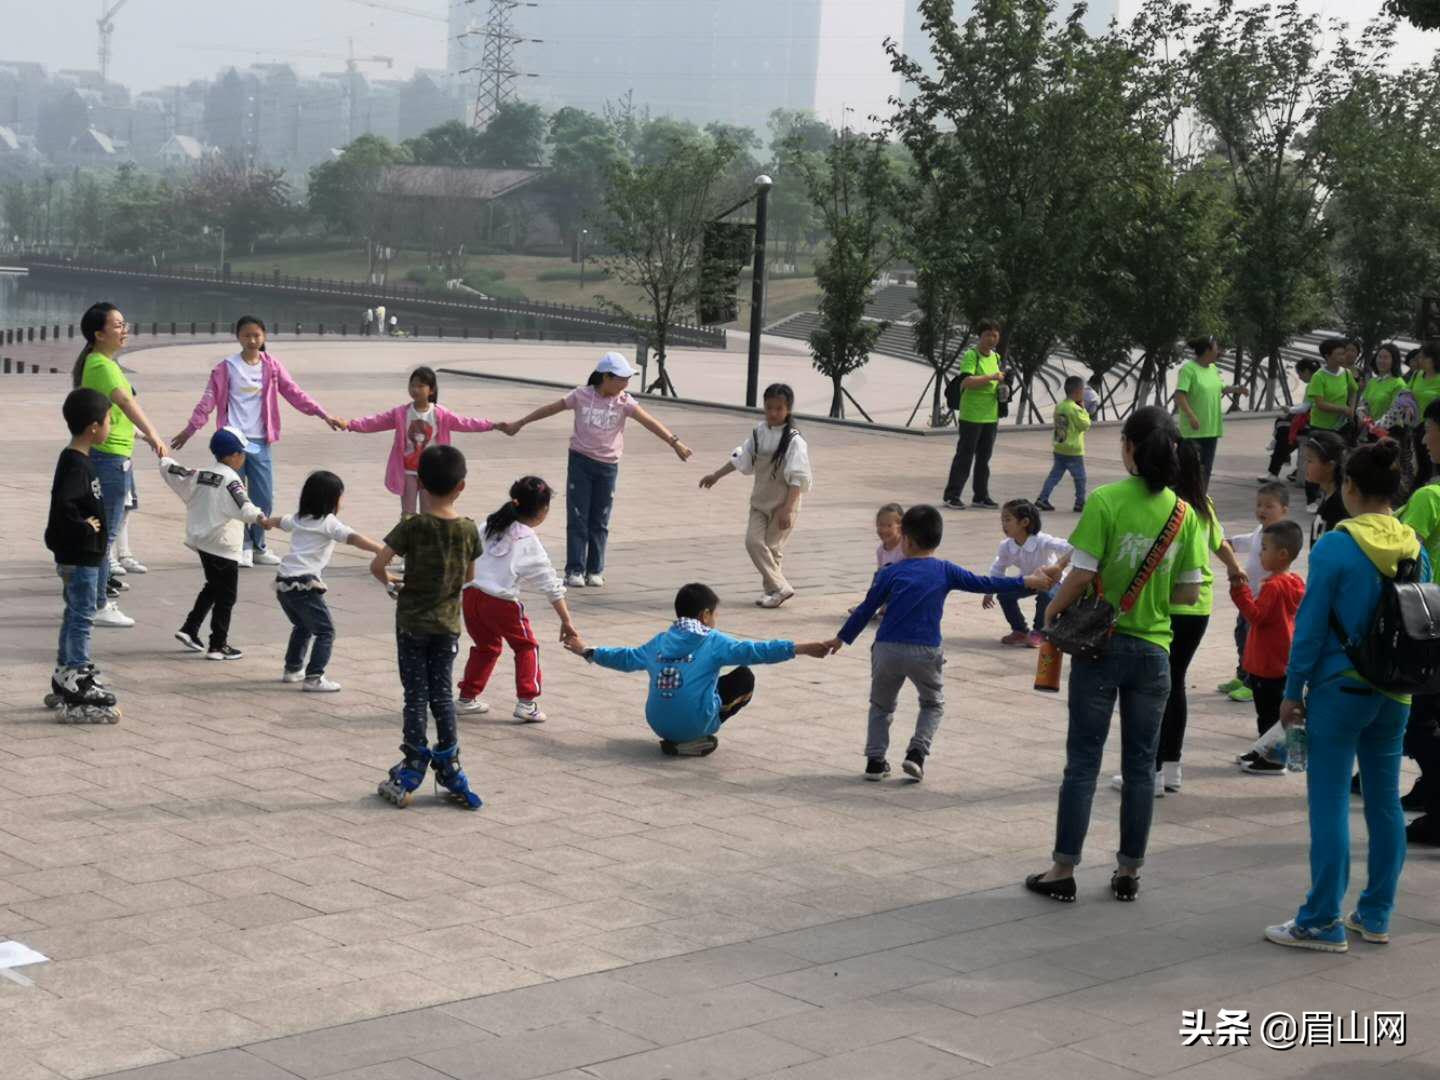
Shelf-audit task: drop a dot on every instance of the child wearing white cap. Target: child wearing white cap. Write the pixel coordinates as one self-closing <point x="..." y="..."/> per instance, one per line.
<point x="601" y="408"/>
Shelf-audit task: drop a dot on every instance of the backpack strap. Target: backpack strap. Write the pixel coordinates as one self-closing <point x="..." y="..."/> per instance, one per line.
<point x="1156" y="556"/>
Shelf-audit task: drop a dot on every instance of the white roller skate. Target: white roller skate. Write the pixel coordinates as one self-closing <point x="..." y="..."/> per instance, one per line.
<point x="55" y="699"/>
<point x="86" y="701"/>
<point x="405" y="776"/>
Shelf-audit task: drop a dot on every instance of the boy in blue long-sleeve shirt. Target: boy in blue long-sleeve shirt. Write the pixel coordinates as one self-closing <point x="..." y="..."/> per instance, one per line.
<point x="689" y="698"/>
<point x="908" y="645"/>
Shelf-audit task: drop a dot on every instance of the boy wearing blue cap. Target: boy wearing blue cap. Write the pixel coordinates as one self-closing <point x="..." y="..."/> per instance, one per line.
<point x="217" y="509"/>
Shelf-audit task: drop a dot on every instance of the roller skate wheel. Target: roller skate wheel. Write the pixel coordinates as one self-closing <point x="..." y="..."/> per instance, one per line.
<point x="393" y="794"/>
<point x="467" y="799"/>
<point x="54" y="701"/>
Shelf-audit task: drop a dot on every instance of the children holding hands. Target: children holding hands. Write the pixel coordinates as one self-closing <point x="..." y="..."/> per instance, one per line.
<point x="1027" y="548"/>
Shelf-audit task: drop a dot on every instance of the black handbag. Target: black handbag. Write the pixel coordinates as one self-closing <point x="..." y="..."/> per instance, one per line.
<point x="1084" y="628"/>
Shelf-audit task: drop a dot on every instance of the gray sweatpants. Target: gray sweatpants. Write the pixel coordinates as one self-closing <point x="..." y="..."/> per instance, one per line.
<point x="890" y="665"/>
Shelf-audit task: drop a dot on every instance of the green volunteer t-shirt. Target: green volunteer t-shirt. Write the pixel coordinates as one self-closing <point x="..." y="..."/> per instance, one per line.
<point x="1071" y="423"/>
<point x="1426" y="389"/>
<point x="1117" y="528"/>
<point x="438" y="553"/>
<point x="1332" y="387"/>
<point x="1380" y="393"/>
<point x="1201" y="384"/>
<point x="1212" y="535"/>
<point x="980" y="404"/>
<point x="103" y="374"/>
<point x="1422" y="513"/>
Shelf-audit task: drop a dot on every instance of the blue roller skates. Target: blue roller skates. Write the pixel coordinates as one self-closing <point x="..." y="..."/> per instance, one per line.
<point x="451" y="777"/>
<point x="406" y="776"/>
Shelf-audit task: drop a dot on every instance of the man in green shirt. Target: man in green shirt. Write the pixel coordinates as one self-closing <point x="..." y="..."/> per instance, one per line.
<point x="979" y="416"/>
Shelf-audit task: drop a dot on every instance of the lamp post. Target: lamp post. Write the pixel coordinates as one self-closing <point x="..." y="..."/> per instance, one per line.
<point x="206" y="231"/>
<point x="763" y="184"/>
<point x="584" y="235"/>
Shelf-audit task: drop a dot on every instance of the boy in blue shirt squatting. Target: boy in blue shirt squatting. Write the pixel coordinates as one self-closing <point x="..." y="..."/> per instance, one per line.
<point x="689" y="699"/>
<point x="912" y="593"/>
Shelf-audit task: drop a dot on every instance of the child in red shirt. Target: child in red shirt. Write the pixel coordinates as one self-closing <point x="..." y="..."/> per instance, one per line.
<point x="1272" y="628"/>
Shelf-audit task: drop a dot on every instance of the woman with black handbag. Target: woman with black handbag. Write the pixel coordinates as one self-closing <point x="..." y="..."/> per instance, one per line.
<point x="1142" y="548"/>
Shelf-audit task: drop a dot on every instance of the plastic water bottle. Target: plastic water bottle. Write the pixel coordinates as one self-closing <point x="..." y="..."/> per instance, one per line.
<point x="1297" y="748"/>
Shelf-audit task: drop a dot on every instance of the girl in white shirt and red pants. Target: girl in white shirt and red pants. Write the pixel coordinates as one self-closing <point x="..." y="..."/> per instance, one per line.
<point x="494" y="615"/>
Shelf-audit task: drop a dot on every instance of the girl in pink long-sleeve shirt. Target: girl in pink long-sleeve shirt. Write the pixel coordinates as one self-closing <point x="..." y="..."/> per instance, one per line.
<point x="419" y="423"/>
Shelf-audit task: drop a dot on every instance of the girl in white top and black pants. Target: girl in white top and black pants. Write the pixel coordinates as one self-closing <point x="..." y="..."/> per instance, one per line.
<point x="776" y="455"/>
<point x="299" y="585"/>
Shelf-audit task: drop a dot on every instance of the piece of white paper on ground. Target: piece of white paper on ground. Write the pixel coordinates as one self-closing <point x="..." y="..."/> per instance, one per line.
<point x="13" y="954"/>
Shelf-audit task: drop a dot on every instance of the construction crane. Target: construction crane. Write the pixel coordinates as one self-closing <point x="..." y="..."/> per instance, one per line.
<point x="106" y="25"/>
<point x="351" y="60"/>
<point x="399" y="10"/>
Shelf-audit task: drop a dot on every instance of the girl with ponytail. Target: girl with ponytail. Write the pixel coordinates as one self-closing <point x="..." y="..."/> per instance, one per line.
<point x="776" y="455"/>
<point x="1120" y="525"/>
<point x="105" y="331"/>
<point x="512" y="555"/>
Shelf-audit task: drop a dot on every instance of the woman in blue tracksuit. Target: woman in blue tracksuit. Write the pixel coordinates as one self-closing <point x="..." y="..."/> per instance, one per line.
<point x="689" y="698"/>
<point x="1345" y="716"/>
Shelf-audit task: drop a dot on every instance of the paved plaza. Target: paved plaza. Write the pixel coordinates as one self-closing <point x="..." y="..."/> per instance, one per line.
<point x="222" y="896"/>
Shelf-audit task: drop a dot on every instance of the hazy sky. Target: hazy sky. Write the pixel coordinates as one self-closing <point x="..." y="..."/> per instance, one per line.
<point x="158" y="42"/>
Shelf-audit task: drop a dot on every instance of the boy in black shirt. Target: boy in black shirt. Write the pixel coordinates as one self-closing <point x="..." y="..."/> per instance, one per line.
<point x="75" y="532"/>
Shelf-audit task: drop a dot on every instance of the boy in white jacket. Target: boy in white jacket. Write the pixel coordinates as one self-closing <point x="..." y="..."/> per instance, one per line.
<point x="217" y="509"/>
<point x="493" y="613"/>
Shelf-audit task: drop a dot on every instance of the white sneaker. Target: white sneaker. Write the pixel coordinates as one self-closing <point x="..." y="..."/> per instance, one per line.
<point x="1313" y="507"/>
<point x="133" y="565"/>
<point x="266" y="558"/>
<point x="529" y="712"/>
<point x="1169" y="777"/>
<point x="774" y="600"/>
<point x="111" y="615"/>
<point x="247" y="558"/>
<point x="574" y="581"/>
<point x="298" y="675"/>
<point x="471" y="705"/>
<point x="320" y="685"/>
<point x="117" y="569"/>
<point x="1118" y="783"/>
<point x="595" y="581"/>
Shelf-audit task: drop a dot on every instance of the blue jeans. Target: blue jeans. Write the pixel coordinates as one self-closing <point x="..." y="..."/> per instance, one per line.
<point x="309" y="616"/>
<point x="1138" y="673"/>
<point x="589" y="497"/>
<point x="426" y="663"/>
<point x="1346" y="721"/>
<point x="1010" y="605"/>
<point x="81" y="585"/>
<point x="1074" y="464"/>
<point x="259" y="480"/>
<point x="114" y="483"/>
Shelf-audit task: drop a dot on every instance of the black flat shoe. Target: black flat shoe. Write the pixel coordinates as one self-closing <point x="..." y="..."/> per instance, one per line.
<point x="1124" y="887"/>
<point x="1062" y="889"/>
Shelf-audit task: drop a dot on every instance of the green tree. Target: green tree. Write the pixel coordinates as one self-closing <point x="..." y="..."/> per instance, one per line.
<point x="1256" y="72"/>
<point x="248" y="200"/>
<point x="853" y="192"/>
<point x="514" y="138"/>
<point x="653" y="218"/>
<point x="17" y="210"/>
<point x="452" y="143"/>
<point x="583" y="149"/>
<point x="140" y="214"/>
<point x="345" y="195"/>
<point x="1423" y="14"/>
<point x="794" y="135"/>
<point x="1382" y="135"/>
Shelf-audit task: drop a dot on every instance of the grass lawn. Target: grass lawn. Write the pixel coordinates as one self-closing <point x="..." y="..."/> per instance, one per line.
<point x="522" y="272"/>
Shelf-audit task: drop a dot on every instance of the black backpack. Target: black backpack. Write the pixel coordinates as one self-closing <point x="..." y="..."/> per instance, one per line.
<point x="1400" y="651"/>
<point x="953" y="390"/>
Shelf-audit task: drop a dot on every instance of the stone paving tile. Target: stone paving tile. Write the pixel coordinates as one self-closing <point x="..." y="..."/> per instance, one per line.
<point x="217" y="871"/>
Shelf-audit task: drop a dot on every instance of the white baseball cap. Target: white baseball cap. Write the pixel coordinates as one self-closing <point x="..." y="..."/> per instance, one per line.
<point x="614" y="363"/>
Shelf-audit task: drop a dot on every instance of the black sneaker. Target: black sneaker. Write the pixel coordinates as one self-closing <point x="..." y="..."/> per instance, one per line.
<point x="224" y="652"/>
<point x="985" y="504"/>
<point x="955" y="503"/>
<point x="914" y="764"/>
<point x="114" y="587"/>
<point x="1044" y="504"/>
<point x="1355" y="785"/>
<point x="1247" y="757"/>
<point x="1078" y="508"/>
<point x="189" y="640"/>
<point x="701" y="747"/>
<point x="877" y="769"/>
<point x="1263" y="766"/>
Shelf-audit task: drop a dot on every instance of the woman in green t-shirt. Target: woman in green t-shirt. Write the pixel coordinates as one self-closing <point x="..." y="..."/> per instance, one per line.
<point x="1384" y="383"/>
<point x="1119" y="526"/>
<point x="105" y="333"/>
<point x="1198" y="390"/>
<point x="1425" y="385"/>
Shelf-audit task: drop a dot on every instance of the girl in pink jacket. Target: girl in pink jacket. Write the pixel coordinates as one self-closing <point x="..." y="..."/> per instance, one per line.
<point x="419" y="423"/>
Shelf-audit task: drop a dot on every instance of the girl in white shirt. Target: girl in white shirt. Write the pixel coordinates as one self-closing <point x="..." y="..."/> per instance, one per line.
<point x="314" y="531"/>
<point x="776" y="455"/>
<point x="1029" y="549"/>
<point x="512" y="555"/>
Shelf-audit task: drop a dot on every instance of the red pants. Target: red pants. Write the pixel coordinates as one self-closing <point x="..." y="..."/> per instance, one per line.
<point x="490" y="621"/>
